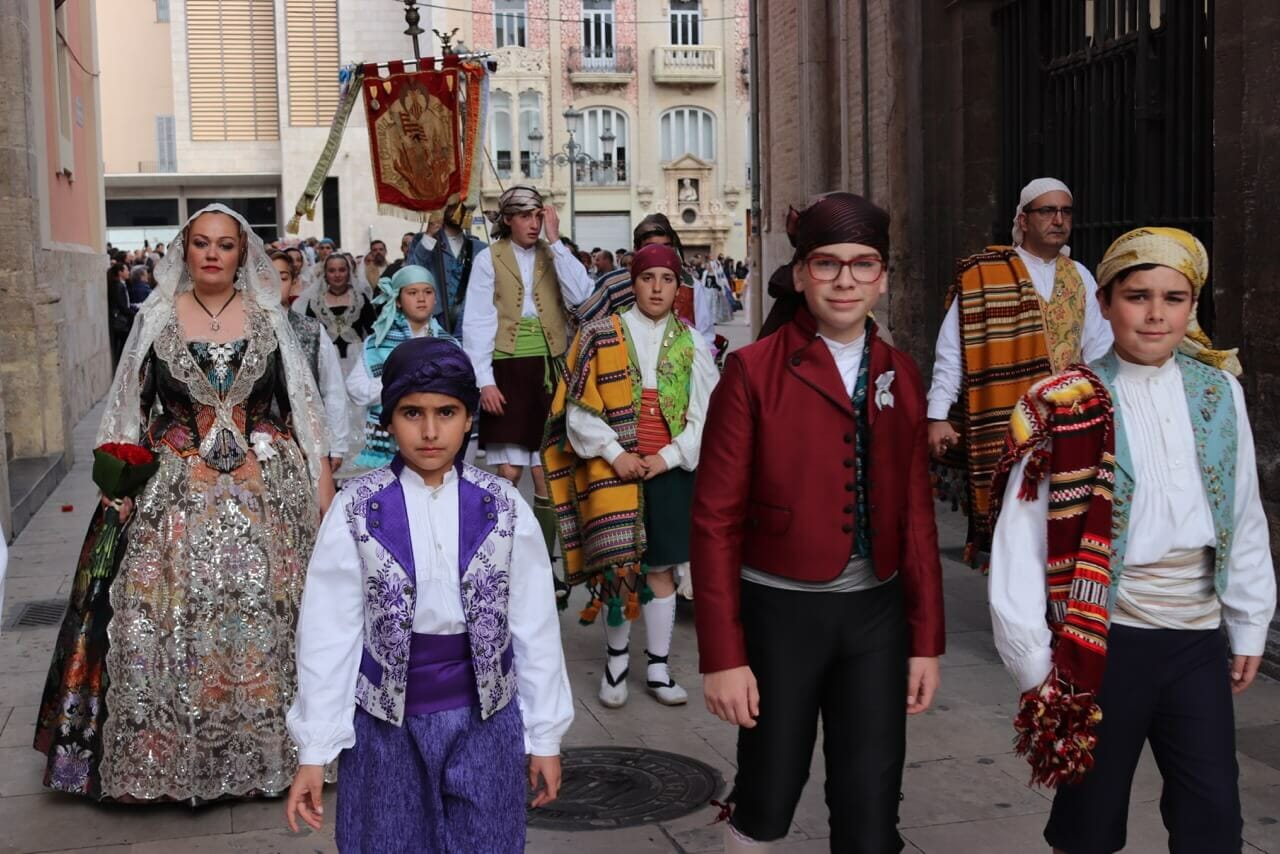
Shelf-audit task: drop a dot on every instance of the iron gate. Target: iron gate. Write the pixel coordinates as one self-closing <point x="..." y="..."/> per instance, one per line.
<point x="1115" y="97"/>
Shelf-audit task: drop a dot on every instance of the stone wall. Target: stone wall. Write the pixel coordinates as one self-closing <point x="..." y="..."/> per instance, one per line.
<point x="54" y="358"/>
<point x="1246" y="116"/>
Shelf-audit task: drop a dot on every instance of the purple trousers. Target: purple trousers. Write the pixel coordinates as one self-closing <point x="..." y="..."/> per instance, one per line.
<point x="444" y="783"/>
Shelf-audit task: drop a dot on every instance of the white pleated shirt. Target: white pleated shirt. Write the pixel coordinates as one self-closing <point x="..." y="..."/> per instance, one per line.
<point x="1170" y="514"/>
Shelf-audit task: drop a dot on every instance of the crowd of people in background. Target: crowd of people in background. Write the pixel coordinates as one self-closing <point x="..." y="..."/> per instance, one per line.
<point x="1115" y="504"/>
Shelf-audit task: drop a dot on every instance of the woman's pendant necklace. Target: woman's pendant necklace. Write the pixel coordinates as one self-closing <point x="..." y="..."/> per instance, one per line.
<point x="213" y="318"/>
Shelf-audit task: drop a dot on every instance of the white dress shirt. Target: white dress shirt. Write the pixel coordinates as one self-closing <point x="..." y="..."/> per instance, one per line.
<point x="480" y="320"/>
<point x="334" y="395"/>
<point x="591" y="437"/>
<point x="363" y="387"/>
<point x="948" y="366"/>
<point x="330" y="635"/>
<point x="848" y="359"/>
<point x="1170" y="514"/>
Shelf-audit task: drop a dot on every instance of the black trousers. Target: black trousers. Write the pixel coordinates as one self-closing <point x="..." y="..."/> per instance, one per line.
<point x="841" y="656"/>
<point x="1172" y="688"/>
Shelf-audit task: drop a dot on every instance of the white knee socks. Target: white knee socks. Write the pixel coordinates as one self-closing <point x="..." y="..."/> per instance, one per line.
<point x="659" y="621"/>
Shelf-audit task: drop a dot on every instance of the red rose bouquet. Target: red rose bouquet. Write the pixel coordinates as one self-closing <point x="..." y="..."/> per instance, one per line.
<point x="120" y="470"/>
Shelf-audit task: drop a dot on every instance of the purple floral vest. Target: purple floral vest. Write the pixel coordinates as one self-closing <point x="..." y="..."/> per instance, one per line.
<point x="379" y="525"/>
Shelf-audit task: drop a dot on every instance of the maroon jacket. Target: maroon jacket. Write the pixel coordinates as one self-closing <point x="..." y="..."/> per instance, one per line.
<point x="776" y="481"/>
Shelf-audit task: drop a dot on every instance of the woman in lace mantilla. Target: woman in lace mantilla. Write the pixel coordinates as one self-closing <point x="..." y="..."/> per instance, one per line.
<point x="171" y="676"/>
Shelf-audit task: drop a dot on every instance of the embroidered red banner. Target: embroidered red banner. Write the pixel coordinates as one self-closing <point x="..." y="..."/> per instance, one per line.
<point x="413" y="137"/>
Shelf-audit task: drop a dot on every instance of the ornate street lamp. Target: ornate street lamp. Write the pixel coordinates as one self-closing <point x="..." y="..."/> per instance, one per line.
<point x="571" y="155"/>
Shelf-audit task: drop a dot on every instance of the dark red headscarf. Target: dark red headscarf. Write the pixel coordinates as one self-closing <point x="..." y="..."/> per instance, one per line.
<point x="655" y="255"/>
<point x="837" y="217"/>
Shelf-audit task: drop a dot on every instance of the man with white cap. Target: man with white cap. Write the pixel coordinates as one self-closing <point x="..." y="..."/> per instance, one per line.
<point x="1015" y="314"/>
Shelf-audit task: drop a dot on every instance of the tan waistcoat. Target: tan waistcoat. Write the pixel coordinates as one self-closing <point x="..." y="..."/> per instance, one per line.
<point x="508" y="296"/>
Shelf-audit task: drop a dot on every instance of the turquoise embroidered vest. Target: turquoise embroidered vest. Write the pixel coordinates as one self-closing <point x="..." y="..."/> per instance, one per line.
<point x="1213" y="424"/>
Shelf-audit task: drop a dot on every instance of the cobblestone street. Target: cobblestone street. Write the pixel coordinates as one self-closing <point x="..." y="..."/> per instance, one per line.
<point x="964" y="791"/>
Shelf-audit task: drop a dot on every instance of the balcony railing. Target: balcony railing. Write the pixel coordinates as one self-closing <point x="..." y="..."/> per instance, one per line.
<point x="687" y="64"/>
<point x="600" y="64"/>
<point x="601" y="174"/>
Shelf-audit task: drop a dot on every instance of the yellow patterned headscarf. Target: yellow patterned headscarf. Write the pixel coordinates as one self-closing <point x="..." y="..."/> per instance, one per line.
<point x="1179" y="250"/>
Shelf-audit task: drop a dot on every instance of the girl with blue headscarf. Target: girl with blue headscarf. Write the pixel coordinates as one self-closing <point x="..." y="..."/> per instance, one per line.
<point x="408" y="300"/>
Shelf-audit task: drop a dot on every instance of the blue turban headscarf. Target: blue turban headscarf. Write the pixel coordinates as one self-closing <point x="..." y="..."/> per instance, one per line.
<point x="389" y="291"/>
<point x="429" y="365"/>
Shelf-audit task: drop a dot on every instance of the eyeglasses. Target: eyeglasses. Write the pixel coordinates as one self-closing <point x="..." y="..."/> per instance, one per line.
<point x="865" y="269"/>
<point x="1049" y="211"/>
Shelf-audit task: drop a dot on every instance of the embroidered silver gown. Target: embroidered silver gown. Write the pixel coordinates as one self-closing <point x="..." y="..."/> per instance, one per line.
<point x="199" y="664"/>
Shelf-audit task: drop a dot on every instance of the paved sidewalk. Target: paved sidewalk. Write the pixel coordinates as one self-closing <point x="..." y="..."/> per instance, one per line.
<point x="964" y="791"/>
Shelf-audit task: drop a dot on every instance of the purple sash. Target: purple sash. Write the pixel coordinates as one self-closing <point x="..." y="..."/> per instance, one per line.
<point x="441" y="675"/>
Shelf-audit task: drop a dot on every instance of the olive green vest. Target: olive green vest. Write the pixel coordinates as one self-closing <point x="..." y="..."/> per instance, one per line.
<point x="508" y="296"/>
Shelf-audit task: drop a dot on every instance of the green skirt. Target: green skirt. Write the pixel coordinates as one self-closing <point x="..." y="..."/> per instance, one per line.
<point x="668" y="502"/>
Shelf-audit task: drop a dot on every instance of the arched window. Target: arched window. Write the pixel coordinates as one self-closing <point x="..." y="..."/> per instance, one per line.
<point x="613" y="153"/>
<point x="500" y="106"/>
<point x="688" y="130"/>
<point x="530" y="121"/>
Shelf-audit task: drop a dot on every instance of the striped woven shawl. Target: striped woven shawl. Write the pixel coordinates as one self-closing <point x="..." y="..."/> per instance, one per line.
<point x="1064" y="426"/>
<point x="1003" y="348"/>
<point x="601" y="527"/>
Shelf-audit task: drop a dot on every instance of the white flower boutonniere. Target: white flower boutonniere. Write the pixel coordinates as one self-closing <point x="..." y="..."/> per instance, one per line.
<point x="262" y="445"/>
<point x="884" y="397"/>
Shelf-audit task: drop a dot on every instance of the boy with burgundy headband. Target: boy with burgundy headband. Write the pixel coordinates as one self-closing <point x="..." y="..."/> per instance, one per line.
<point x="427" y="612"/>
<point x="621" y="450"/>
<point x="815" y="554"/>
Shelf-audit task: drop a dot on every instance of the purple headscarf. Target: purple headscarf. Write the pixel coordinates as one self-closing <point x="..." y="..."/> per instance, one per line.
<point x="428" y="365"/>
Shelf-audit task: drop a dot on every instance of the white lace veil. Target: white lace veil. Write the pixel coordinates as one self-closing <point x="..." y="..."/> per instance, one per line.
<point x="123" y="419"/>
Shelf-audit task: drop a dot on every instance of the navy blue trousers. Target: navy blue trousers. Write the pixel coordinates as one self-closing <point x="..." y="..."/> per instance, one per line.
<point x="1171" y="688"/>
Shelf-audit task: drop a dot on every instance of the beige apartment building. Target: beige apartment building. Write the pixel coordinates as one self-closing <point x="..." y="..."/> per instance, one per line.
<point x="661" y="87"/>
<point x="231" y="100"/>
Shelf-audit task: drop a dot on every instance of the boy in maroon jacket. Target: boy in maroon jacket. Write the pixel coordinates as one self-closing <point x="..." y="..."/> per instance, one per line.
<point x="815" y="554"/>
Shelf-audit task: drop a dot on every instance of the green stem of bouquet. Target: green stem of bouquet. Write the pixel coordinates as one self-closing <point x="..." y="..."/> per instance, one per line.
<point x="102" y="558"/>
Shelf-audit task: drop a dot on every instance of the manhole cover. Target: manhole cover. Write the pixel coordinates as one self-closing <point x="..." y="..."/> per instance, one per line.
<point x="30" y="615"/>
<point x="609" y="787"/>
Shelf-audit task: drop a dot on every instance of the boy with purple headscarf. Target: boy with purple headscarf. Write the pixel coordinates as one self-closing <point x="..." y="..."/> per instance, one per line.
<point x="428" y="641"/>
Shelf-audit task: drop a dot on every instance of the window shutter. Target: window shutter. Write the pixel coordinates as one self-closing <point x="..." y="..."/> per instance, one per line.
<point x="166" y="145"/>
<point x="231" y="60"/>
<point x="311" y="48"/>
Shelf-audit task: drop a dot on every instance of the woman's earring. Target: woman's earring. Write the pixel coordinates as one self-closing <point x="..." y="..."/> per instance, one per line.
<point x="241" y="279"/>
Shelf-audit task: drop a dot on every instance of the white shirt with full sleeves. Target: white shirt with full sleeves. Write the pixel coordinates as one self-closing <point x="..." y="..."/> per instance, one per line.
<point x="334" y="394"/>
<point x="1170" y="513"/>
<point x="948" y="366"/>
<point x="592" y="437"/>
<point x="480" y="320"/>
<point x="364" y="388"/>
<point x="330" y="636"/>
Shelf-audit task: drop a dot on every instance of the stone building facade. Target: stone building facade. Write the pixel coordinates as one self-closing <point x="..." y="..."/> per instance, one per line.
<point x="55" y="360"/>
<point x="908" y="103"/>
<point x="242" y="117"/>
<point x="668" y="79"/>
